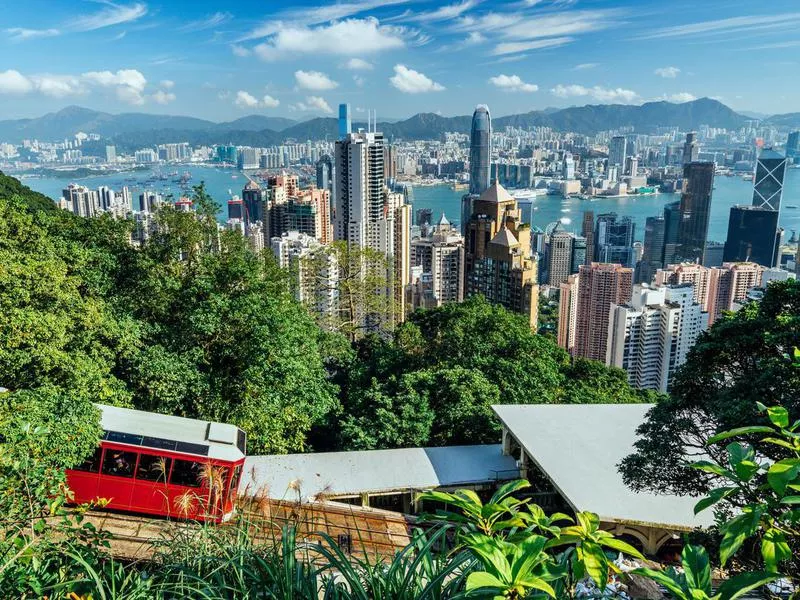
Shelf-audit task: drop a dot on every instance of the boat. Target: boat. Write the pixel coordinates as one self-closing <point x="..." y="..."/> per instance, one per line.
<point x="792" y="206"/>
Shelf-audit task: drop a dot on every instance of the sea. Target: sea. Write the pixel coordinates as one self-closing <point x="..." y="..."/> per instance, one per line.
<point x="544" y="209"/>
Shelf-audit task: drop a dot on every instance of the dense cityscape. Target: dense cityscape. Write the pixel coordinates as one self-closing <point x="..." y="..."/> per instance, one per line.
<point x="535" y="335"/>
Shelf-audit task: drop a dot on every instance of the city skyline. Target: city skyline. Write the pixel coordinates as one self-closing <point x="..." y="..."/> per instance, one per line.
<point x="401" y="56"/>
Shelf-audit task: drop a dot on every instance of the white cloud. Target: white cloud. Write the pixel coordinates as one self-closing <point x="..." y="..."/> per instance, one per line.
<point x="58" y="86"/>
<point x="585" y="66"/>
<point x="444" y="13"/>
<point x="209" y="22"/>
<point x="513" y="47"/>
<point x="20" y="34"/>
<point x="358" y="64"/>
<point x="601" y="94"/>
<point x="350" y="37"/>
<point x="729" y="25"/>
<point x="14" y="82"/>
<point x="358" y="80"/>
<point x="167" y="84"/>
<point x="512" y="83"/>
<point x="162" y="97"/>
<point x="240" y="50"/>
<point x="680" y="97"/>
<point x="314" y="80"/>
<point x="410" y="81"/>
<point x="112" y="14"/>
<point x="128" y="83"/>
<point x="667" y="72"/>
<point x="245" y="100"/>
<point x="313" y="103"/>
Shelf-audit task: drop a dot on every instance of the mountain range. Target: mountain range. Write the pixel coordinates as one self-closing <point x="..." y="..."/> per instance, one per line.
<point x="135" y="130"/>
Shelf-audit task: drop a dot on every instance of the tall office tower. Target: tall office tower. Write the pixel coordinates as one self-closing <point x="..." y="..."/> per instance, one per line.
<point x="105" y="197"/>
<point x="400" y="256"/>
<point x="691" y="149"/>
<point x="768" y="180"/>
<point x="568" y="312"/>
<point x="650" y="336"/>
<point x="480" y="150"/>
<point x="325" y="176"/>
<point x="753" y="235"/>
<point x="653" y="253"/>
<point x="713" y="256"/>
<point x="345" y="126"/>
<point x="613" y="239"/>
<point x="578" y="253"/>
<point x="440" y="259"/>
<point x="255" y="202"/>
<point x="390" y="163"/>
<point x="793" y="144"/>
<point x="111" y="154"/>
<point x="568" y="167"/>
<point x="735" y="279"/>
<point x="617" y="152"/>
<point x="599" y="286"/>
<point x="80" y="200"/>
<point x="695" y="208"/>
<point x="149" y="202"/>
<point x="632" y="166"/>
<point x="358" y="188"/>
<point x="498" y="257"/>
<point x="559" y="257"/>
<point x="306" y="212"/>
<point x="672" y="221"/>
<point x="587" y="231"/>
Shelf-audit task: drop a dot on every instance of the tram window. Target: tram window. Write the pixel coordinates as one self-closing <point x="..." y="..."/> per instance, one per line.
<point x="91" y="464"/>
<point x="186" y="473"/>
<point x="153" y="468"/>
<point x="119" y="463"/>
<point x="237" y="472"/>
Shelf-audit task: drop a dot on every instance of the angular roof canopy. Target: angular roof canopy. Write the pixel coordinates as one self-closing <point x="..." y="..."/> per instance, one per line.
<point x="504" y="237"/>
<point x="579" y="446"/>
<point x="376" y="471"/>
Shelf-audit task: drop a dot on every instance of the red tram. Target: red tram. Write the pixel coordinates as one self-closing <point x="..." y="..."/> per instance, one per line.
<point x="162" y="465"/>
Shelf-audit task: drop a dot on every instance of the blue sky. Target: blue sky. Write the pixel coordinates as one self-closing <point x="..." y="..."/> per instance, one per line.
<point x="299" y="58"/>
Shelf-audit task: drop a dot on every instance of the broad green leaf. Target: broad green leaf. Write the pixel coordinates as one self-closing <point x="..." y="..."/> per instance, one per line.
<point x="529" y="553"/>
<point x="663" y="579"/>
<point x="739" y="431"/>
<point x="540" y="584"/>
<point x="596" y="563"/>
<point x="735" y="532"/>
<point x="590" y="522"/>
<point x="713" y="497"/>
<point x="778" y="442"/>
<point x="745" y="582"/>
<point x="779" y="416"/>
<point x="509" y="488"/>
<point x="782" y="473"/>
<point x="621" y="546"/>
<point x="713" y="468"/>
<point x="482" y="579"/>
<point x="790" y="500"/>
<point x="774" y="549"/>
<point x="697" y="568"/>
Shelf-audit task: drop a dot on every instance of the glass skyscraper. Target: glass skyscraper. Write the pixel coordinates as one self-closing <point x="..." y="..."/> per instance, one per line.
<point x="698" y="183"/>
<point x="345" y="125"/>
<point x="480" y="150"/>
<point x="768" y="181"/>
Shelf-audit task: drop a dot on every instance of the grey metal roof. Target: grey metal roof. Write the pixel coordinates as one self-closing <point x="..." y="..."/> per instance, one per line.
<point x="578" y="447"/>
<point x="220" y="437"/>
<point x="375" y="471"/>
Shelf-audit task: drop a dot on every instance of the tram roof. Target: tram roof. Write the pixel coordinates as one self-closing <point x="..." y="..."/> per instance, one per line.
<point x="219" y="441"/>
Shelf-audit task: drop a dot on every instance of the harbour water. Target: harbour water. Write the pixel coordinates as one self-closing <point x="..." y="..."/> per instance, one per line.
<point x="222" y="183"/>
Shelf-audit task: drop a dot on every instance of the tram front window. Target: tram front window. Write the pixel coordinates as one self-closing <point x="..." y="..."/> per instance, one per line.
<point x="119" y="463"/>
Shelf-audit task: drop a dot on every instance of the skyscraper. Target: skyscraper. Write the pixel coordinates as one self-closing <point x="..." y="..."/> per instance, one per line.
<point x="672" y="221"/>
<point x="440" y="258"/>
<point x="752" y="236"/>
<point x="587" y="231"/>
<point x="599" y="286"/>
<point x="559" y="257"/>
<point x="653" y="256"/>
<point x="480" y="150"/>
<point x="613" y="239"/>
<point x="650" y="336"/>
<point x="617" y="152"/>
<point x="568" y="312"/>
<point x="695" y="208"/>
<point x="498" y="254"/>
<point x="768" y="180"/>
<point x="793" y="144"/>
<point x="254" y="199"/>
<point x="345" y="126"/>
<point x="691" y="149"/>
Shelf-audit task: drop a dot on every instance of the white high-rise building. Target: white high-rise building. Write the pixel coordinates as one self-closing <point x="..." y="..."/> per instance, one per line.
<point x="650" y="336"/>
<point x="440" y="259"/>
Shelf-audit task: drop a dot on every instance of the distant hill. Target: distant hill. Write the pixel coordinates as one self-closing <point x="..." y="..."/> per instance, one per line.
<point x="135" y="130"/>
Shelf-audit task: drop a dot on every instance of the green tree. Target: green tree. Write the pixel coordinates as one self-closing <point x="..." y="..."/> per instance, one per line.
<point x="743" y="359"/>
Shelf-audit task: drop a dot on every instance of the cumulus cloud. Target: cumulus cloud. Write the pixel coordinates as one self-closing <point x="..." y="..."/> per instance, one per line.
<point x="162" y="97"/>
<point x="599" y="93"/>
<point x="313" y="103"/>
<point x="349" y="37"/>
<point x="20" y="34"/>
<point x="512" y="83"/>
<point x="680" y="97"/>
<point x="314" y="80"/>
<point x="167" y="84"/>
<point x="247" y="100"/>
<point x="410" y="81"/>
<point x="128" y="84"/>
<point x="358" y="64"/>
<point x="667" y="72"/>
